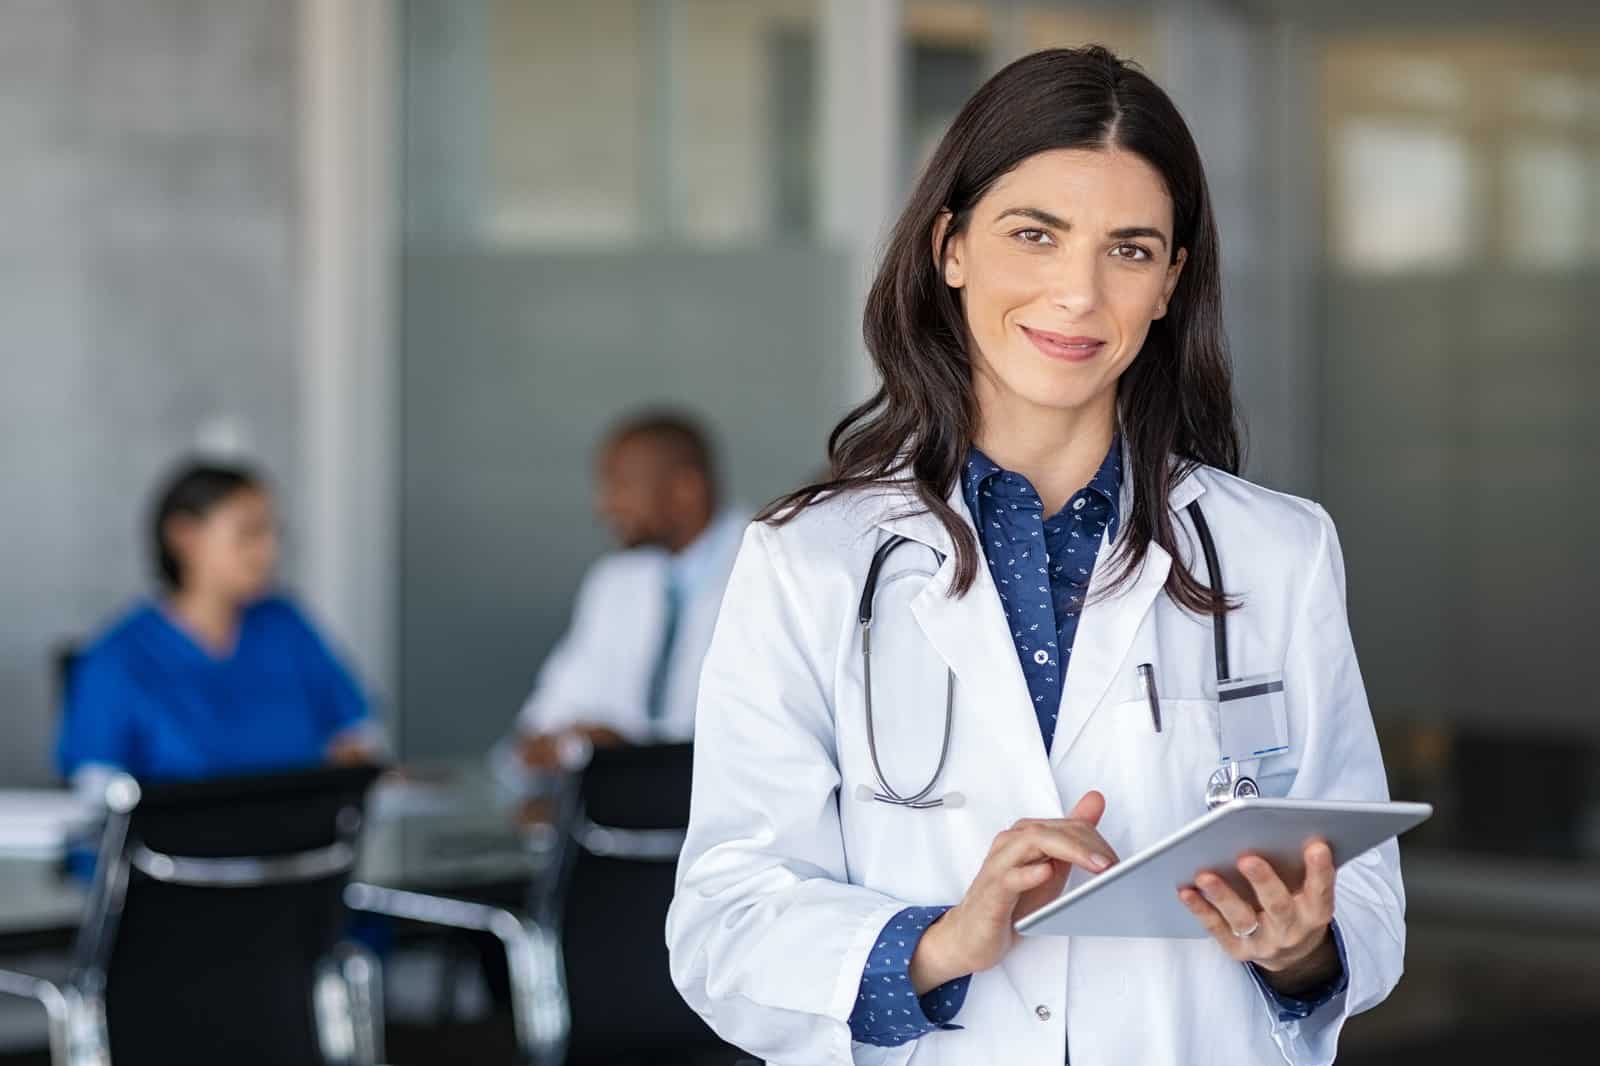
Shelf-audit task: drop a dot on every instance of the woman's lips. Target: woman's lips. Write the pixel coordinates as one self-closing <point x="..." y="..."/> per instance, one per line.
<point x="1060" y="346"/>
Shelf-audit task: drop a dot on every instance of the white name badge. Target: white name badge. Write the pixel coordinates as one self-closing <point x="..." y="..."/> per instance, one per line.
<point x="1254" y="722"/>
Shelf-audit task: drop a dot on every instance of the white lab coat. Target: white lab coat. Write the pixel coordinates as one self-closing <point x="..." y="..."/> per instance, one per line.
<point x="599" y="671"/>
<point x="786" y="877"/>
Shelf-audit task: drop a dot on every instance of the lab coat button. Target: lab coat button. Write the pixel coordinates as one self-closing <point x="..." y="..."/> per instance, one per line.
<point x="1043" y="1012"/>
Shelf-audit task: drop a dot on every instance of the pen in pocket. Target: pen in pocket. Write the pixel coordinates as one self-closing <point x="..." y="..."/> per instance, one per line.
<point x="1147" y="674"/>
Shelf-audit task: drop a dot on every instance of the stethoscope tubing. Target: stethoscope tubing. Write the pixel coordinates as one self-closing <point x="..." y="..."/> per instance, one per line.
<point x="920" y="799"/>
<point x="886" y="793"/>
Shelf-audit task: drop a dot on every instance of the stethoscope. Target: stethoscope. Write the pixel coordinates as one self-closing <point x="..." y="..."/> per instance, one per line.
<point x="1226" y="784"/>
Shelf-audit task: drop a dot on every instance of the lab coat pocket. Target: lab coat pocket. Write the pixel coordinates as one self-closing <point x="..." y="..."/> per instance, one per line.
<point x="1162" y="776"/>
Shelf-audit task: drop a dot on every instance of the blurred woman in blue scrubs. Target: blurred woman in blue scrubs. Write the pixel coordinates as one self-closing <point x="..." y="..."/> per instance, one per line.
<point x="218" y="675"/>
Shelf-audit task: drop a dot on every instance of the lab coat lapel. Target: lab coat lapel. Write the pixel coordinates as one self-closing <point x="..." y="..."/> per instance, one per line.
<point x="971" y="635"/>
<point x="1106" y="631"/>
<point x="1110" y="623"/>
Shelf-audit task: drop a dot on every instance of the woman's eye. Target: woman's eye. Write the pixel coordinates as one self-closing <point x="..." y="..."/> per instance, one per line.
<point x="1032" y="236"/>
<point x="1132" y="252"/>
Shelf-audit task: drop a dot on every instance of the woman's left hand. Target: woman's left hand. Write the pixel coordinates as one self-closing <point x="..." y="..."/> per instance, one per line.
<point x="1290" y="937"/>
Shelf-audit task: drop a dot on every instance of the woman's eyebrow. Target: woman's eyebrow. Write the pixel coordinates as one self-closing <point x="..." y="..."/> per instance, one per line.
<point x="1130" y="232"/>
<point x="1037" y="215"/>
<point x="1046" y="218"/>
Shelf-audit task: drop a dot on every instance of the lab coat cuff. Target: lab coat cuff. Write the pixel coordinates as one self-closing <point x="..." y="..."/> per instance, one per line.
<point x="1301" y="1007"/>
<point x="847" y="985"/>
<point x="888" y="1012"/>
<point x="942" y="1004"/>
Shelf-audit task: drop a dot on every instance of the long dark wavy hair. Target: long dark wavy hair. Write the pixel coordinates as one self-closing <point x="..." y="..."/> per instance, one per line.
<point x="1175" y="400"/>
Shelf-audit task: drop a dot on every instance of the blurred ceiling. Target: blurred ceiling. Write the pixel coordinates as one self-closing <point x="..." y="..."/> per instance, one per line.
<point x="1555" y="15"/>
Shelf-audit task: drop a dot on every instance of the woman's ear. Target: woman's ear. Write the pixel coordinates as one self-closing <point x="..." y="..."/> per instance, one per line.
<point x="178" y="532"/>
<point x="947" y="251"/>
<point x="1171" y="283"/>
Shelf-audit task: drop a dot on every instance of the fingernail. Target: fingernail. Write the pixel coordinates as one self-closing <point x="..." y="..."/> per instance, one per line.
<point x="1099" y="862"/>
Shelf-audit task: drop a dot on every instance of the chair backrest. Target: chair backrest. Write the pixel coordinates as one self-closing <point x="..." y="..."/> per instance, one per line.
<point x="64" y="663"/>
<point x="640" y="787"/>
<point x="633" y="808"/>
<point x="222" y="898"/>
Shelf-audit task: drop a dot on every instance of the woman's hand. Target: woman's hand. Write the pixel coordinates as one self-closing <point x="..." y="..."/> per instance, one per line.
<point x="350" y="750"/>
<point x="1290" y="937"/>
<point x="1026" y="868"/>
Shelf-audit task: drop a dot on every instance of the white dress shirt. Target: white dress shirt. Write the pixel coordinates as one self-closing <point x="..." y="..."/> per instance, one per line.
<point x="599" y="672"/>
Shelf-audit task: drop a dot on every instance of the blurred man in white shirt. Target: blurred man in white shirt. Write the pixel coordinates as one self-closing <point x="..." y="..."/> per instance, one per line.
<point x="628" y="667"/>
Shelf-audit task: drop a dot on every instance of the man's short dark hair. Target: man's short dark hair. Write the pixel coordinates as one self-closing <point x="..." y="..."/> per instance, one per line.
<point x="681" y="437"/>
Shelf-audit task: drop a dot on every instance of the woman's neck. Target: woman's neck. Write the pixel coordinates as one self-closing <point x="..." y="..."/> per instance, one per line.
<point x="212" y="619"/>
<point x="1057" y="450"/>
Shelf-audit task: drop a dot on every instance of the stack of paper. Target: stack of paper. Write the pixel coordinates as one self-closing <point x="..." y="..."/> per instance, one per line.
<point x="40" y="821"/>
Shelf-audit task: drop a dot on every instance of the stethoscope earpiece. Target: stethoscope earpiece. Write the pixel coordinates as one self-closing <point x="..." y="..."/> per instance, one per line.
<point x="952" y="800"/>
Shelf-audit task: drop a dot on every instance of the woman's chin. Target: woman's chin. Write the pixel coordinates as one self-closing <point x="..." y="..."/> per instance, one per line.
<point x="254" y="592"/>
<point x="1084" y="393"/>
<point x="1029" y="380"/>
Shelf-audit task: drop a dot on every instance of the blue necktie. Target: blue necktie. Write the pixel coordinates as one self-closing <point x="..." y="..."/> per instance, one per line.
<point x="656" y="700"/>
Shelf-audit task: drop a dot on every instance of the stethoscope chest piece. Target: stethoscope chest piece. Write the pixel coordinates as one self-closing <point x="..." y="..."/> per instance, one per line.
<point x="1227" y="785"/>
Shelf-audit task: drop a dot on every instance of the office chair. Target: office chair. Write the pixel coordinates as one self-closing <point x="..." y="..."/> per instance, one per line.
<point x="212" y="930"/>
<point x="518" y="917"/>
<point x="64" y="662"/>
<point x="632" y="812"/>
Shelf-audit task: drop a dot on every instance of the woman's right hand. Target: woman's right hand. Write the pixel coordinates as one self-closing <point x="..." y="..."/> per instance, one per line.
<point x="1026" y="868"/>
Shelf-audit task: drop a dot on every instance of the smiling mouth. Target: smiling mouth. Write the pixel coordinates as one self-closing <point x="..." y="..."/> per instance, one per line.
<point x="1060" y="346"/>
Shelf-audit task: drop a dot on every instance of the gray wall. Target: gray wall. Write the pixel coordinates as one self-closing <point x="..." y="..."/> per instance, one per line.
<point x="147" y="257"/>
<point x="513" y="365"/>
<point x="1458" y="458"/>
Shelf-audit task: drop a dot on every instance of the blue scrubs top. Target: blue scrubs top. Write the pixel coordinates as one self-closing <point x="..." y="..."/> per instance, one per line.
<point x="148" y="699"/>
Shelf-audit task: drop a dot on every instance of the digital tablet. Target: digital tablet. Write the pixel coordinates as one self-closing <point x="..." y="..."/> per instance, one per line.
<point x="1138" y="897"/>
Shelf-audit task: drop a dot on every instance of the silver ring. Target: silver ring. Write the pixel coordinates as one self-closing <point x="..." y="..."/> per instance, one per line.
<point x="1248" y="932"/>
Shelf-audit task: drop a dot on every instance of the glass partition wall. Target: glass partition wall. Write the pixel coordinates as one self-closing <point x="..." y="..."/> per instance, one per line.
<point x="1459" y="440"/>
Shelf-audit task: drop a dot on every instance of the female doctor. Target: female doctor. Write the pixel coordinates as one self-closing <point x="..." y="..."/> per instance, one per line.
<point x="1055" y="395"/>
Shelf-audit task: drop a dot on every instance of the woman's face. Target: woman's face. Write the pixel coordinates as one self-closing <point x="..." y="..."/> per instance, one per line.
<point x="1062" y="266"/>
<point x="232" y="550"/>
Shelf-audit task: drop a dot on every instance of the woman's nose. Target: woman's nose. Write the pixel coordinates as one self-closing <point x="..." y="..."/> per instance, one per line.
<point x="1075" y="283"/>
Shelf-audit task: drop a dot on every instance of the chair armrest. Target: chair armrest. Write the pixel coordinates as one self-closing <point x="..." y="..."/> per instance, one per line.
<point x="27" y="986"/>
<point x="638" y="845"/>
<point x="53" y="999"/>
